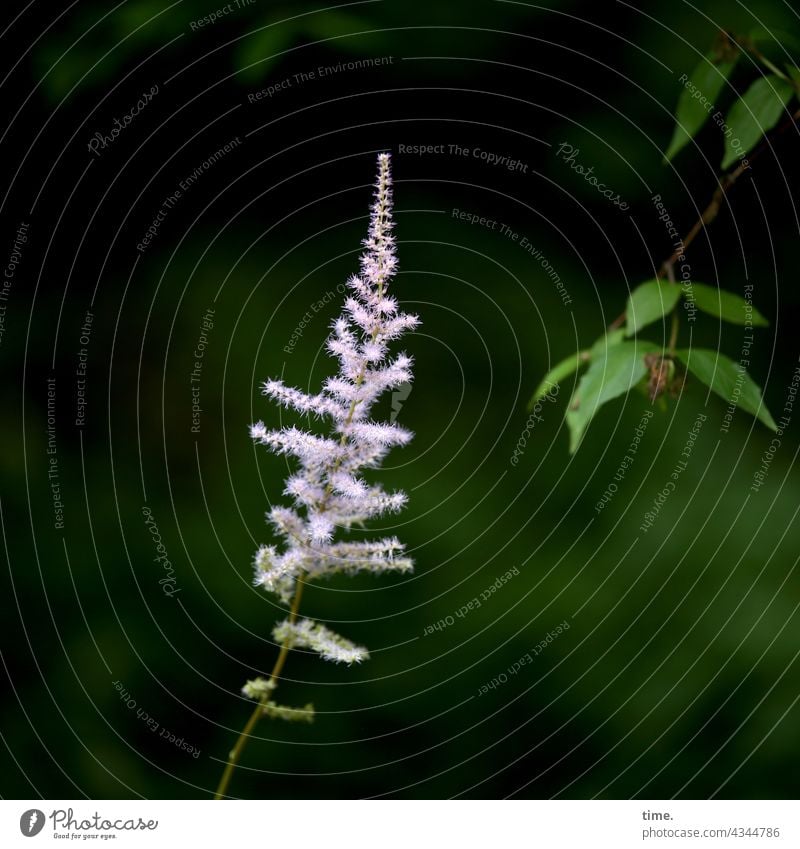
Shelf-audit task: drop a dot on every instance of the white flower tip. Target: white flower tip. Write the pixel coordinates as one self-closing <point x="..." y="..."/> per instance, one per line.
<point x="258" y="431"/>
<point x="320" y="529"/>
<point x="348" y="656"/>
<point x="258" y="688"/>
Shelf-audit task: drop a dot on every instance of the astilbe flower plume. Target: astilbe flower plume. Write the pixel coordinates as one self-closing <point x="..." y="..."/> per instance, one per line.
<point x="328" y="491"/>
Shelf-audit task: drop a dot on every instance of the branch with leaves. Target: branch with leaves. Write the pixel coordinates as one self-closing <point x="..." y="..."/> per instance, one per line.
<point x="620" y="360"/>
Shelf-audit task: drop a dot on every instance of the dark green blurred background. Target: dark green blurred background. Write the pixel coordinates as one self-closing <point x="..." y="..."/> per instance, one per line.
<point x="678" y="674"/>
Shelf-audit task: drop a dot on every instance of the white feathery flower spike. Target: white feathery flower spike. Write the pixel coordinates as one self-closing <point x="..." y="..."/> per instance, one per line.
<point x="327" y="488"/>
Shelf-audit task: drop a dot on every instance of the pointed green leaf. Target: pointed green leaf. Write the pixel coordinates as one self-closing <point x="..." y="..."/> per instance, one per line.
<point x="649" y="302"/>
<point x="755" y="113"/>
<point x="612" y="373"/>
<point x="726" y="305"/>
<point x="613" y="337"/>
<point x="794" y="73"/>
<point x="696" y="101"/>
<point x="573" y="362"/>
<point x="728" y="379"/>
<point x="762" y="35"/>
<point x="556" y="374"/>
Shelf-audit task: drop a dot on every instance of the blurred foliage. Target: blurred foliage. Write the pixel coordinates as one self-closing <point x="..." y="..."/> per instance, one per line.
<point x="256" y="35"/>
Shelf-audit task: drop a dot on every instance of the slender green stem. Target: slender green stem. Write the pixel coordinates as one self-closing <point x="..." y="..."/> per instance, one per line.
<point x="746" y="45"/>
<point x="258" y="712"/>
<point x="235" y="754"/>
<point x="673" y="336"/>
<point x="770" y="65"/>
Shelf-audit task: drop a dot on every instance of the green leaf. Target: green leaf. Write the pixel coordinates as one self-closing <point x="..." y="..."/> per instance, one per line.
<point x="333" y="24"/>
<point x="755" y="113"/>
<point x="794" y="73"/>
<point x="556" y="374"/>
<point x="726" y="305"/>
<point x="612" y="373"/>
<point x="696" y="101"/>
<point x="259" y="52"/>
<point x="728" y="379"/>
<point x="649" y="302"/>
<point x="762" y="35"/>
<point x="573" y="362"/>
<point x="613" y="337"/>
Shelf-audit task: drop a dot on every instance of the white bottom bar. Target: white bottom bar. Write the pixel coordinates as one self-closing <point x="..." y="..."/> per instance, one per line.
<point x="401" y="824"/>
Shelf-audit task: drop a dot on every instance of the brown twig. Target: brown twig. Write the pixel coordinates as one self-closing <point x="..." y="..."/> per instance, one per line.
<point x="725" y="184"/>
